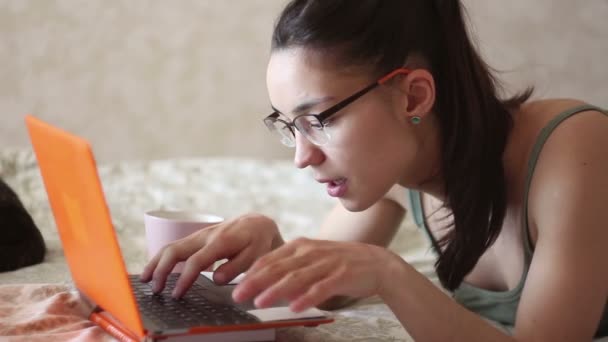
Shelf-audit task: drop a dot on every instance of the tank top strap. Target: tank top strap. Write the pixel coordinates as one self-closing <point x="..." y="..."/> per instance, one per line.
<point x="418" y="216"/>
<point x="534" y="155"/>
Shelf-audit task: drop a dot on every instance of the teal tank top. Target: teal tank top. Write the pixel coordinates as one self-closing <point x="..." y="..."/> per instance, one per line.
<point x="501" y="306"/>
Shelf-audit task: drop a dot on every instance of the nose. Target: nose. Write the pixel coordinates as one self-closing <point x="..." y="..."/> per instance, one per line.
<point x="307" y="153"/>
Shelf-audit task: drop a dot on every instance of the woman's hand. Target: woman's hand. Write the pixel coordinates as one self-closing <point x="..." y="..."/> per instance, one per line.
<point x="308" y="272"/>
<point x="241" y="240"/>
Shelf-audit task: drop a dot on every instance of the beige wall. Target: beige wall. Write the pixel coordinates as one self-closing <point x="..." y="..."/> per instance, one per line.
<point x="140" y="79"/>
<point x="146" y="79"/>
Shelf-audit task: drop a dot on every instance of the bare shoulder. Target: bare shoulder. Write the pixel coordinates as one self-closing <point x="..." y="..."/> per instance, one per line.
<point x="576" y="138"/>
<point x="567" y="287"/>
<point x="573" y="159"/>
<point x="590" y="124"/>
<point x="549" y="108"/>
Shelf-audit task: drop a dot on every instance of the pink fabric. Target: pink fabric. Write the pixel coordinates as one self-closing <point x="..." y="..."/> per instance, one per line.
<point x="45" y="312"/>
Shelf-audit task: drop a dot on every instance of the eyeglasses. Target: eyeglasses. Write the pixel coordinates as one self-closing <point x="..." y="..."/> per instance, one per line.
<point x="312" y="126"/>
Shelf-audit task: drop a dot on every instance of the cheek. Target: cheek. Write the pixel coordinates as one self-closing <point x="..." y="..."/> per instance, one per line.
<point x="355" y="129"/>
<point x="388" y="156"/>
<point x="371" y="139"/>
<point x="374" y="157"/>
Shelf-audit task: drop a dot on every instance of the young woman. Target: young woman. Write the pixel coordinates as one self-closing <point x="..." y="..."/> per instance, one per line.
<point x="381" y="96"/>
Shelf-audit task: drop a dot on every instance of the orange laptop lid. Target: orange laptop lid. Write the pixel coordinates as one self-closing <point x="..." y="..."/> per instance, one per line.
<point x="83" y="220"/>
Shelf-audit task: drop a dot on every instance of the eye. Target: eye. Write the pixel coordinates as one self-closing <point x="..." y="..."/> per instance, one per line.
<point x="330" y="121"/>
<point x="317" y="125"/>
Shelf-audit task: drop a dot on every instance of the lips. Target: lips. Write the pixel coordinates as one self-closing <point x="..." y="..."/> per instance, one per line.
<point x="337" y="182"/>
<point x="337" y="187"/>
<point x="331" y="180"/>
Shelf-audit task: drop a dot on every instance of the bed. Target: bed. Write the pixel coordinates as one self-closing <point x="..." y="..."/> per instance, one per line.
<point x="39" y="303"/>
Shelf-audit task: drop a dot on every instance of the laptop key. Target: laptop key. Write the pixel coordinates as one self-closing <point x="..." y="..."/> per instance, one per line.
<point x="192" y="309"/>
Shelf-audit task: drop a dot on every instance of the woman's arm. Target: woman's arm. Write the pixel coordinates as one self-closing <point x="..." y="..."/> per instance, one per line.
<point x="566" y="289"/>
<point x="567" y="283"/>
<point x="429" y="314"/>
<point x="377" y="225"/>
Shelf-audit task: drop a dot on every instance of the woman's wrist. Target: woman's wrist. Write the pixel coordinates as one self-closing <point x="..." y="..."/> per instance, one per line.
<point x="393" y="276"/>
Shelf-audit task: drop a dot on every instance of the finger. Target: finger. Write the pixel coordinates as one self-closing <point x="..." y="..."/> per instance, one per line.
<point x="169" y="257"/>
<point x="191" y="271"/>
<point x="146" y="275"/>
<point x="255" y="282"/>
<point x="234" y="266"/>
<point x="274" y="256"/>
<point x="151" y="266"/>
<point x="316" y="294"/>
<point x="292" y="285"/>
<point x="199" y="261"/>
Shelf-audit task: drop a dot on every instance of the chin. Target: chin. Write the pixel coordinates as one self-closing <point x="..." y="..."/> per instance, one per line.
<point x="354" y="205"/>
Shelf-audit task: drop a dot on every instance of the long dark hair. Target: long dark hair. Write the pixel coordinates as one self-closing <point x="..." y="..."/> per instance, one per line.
<point x="474" y="121"/>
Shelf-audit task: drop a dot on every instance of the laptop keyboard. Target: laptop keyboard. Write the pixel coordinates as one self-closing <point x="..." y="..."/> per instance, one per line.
<point x="193" y="309"/>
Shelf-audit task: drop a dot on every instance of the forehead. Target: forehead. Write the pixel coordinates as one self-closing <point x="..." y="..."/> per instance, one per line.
<point x="298" y="66"/>
<point x="296" y="75"/>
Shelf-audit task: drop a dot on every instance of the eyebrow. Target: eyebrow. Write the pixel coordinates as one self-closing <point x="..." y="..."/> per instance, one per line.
<point x="306" y="106"/>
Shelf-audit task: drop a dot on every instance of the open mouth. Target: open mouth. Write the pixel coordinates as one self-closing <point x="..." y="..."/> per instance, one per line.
<point x="337" y="182"/>
<point x="337" y="188"/>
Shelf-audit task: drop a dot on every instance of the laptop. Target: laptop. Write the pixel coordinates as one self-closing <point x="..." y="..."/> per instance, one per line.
<point x="124" y="306"/>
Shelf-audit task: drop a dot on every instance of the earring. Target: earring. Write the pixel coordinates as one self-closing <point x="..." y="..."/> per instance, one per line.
<point x="415" y="119"/>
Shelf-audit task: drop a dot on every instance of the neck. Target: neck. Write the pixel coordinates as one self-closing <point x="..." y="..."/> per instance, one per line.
<point x="427" y="177"/>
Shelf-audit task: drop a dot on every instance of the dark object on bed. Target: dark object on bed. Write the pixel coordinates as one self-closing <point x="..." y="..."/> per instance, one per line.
<point x="21" y="243"/>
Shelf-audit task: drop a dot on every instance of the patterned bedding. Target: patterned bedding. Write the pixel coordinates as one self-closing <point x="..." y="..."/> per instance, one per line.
<point x="39" y="302"/>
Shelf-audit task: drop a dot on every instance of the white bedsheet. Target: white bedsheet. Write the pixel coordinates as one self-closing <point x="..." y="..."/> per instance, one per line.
<point x="227" y="187"/>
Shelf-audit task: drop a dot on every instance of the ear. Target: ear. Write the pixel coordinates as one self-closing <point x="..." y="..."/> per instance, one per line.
<point x="419" y="90"/>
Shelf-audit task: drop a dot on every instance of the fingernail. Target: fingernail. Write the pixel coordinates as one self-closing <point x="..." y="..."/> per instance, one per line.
<point x="220" y="277"/>
<point x="175" y="294"/>
<point x="236" y="294"/>
<point x="259" y="303"/>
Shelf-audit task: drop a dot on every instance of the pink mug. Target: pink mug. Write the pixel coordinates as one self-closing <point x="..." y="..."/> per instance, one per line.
<point x="166" y="226"/>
